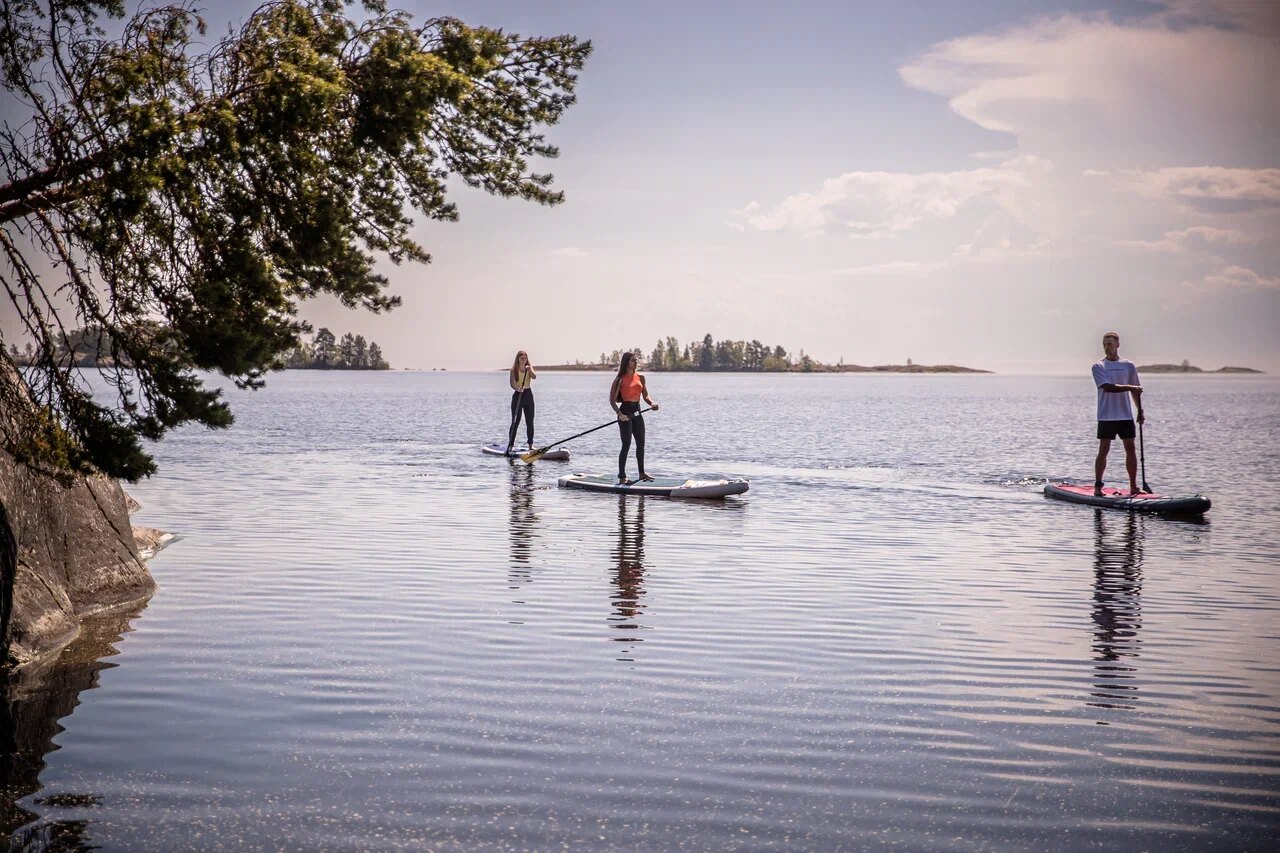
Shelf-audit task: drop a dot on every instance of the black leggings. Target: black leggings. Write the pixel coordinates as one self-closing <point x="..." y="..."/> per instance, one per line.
<point x="519" y="406"/>
<point x="633" y="425"/>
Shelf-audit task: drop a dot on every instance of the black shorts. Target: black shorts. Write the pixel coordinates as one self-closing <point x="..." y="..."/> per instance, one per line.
<point x="1116" y="429"/>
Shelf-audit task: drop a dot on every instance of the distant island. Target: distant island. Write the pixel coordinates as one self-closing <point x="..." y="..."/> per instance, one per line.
<point x="1188" y="367"/>
<point x="327" y="352"/>
<point x="92" y="346"/>
<point x="88" y="346"/>
<point x="727" y="356"/>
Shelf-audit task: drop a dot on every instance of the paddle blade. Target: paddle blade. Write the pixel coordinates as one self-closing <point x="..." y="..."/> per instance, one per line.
<point x="533" y="454"/>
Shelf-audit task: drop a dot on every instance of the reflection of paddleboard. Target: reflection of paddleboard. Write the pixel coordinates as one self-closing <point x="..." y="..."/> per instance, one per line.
<point x="662" y="487"/>
<point x="1116" y="499"/>
<point x="501" y="450"/>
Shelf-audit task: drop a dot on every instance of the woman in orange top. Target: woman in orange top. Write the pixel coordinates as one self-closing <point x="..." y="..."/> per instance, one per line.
<point x="624" y="395"/>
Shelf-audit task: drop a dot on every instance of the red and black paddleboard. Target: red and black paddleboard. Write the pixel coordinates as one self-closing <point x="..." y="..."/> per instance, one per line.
<point x="1141" y="502"/>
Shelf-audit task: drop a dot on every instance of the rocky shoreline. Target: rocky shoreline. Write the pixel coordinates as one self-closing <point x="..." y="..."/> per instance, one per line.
<point x="68" y="552"/>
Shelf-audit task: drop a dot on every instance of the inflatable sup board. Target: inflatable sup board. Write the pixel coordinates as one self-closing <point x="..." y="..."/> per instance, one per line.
<point x="1116" y="499"/>
<point x="561" y="455"/>
<point x="661" y="487"/>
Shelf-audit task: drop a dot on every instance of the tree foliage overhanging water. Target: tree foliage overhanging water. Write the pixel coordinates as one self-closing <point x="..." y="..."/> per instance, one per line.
<point x="186" y="200"/>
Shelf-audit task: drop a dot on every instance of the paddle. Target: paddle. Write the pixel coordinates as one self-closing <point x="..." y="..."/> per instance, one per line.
<point x="1142" y="456"/>
<point x="537" y="454"/>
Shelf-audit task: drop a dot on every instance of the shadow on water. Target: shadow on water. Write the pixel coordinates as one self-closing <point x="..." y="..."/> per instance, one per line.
<point x="35" y="699"/>
<point x="523" y="527"/>
<point x="1117" y="606"/>
<point x="628" y="576"/>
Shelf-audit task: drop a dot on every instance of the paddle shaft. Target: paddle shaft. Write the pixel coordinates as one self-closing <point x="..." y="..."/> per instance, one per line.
<point x="1142" y="458"/>
<point x="542" y="450"/>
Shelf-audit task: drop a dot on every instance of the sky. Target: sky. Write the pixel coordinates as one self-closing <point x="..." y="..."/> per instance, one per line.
<point x="988" y="184"/>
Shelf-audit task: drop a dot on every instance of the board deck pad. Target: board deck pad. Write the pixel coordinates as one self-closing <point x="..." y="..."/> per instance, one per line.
<point x="665" y="487"/>
<point x="1118" y="499"/>
<point x="555" y="455"/>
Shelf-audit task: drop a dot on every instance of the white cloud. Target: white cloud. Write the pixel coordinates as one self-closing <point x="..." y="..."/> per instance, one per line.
<point x="1187" y="81"/>
<point x="1197" y="238"/>
<point x="878" y="205"/>
<point x="1236" y="277"/>
<point x="569" y="252"/>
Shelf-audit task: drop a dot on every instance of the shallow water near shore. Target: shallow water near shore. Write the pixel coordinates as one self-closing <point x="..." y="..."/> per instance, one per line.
<point x="370" y="635"/>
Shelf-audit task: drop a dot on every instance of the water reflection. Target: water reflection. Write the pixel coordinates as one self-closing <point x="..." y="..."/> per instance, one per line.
<point x="628" y="575"/>
<point x="32" y="702"/>
<point x="1117" y="606"/>
<point x="523" y="527"/>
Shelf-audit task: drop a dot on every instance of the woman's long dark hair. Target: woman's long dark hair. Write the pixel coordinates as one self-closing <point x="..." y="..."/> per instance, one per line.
<point x="627" y="357"/>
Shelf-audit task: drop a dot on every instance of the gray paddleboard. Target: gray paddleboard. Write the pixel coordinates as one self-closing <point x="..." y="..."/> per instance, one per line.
<point x="662" y="487"/>
<point x="558" y="455"/>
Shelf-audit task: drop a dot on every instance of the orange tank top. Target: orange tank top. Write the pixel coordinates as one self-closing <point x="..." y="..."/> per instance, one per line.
<point x="629" y="388"/>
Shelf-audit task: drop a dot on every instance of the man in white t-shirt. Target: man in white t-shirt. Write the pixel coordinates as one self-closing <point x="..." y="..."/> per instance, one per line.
<point x="1117" y="381"/>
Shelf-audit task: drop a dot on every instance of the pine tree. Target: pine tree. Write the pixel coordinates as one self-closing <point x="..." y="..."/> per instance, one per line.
<point x="326" y="349"/>
<point x="185" y="193"/>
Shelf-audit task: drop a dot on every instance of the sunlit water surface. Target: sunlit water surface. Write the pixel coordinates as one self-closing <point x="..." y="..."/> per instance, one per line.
<point x="369" y="635"/>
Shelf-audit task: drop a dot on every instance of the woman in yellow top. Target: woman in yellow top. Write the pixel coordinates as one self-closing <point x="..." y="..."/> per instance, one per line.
<point x="624" y="396"/>
<point x="522" y="376"/>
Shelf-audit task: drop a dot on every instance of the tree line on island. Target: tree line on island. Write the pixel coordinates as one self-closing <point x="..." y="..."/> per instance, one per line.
<point x="93" y="346"/>
<point x="710" y="355"/>
<point x="327" y="352"/>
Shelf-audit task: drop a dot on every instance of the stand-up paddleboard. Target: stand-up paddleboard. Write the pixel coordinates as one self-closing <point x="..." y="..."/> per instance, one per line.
<point x="1116" y="499"/>
<point x="660" y="487"/>
<point x="501" y="450"/>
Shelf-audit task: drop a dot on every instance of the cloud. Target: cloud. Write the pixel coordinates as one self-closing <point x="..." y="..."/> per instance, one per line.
<point x="879" y="205"/>
<point x="1188" y="81"/>
<point x="569" y="252"/>
<point x="1232" y="277"/>
<point x="1259" y="16"/>
<point x="1215" y="189"/>
<point x="1201" y="238"/>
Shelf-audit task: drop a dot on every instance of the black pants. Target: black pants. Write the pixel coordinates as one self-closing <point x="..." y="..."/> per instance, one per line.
<point x="633" y="425"/>
<point x="521" y="404"/>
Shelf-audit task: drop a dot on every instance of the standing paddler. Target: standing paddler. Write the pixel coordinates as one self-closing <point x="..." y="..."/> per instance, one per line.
<point x="1117" y="381"/>
<point x="625" y="393"/>
<point x="521" y="377"/>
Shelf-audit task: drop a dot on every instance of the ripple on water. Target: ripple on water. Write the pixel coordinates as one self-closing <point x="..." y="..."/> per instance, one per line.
<point x="371" y="635"/>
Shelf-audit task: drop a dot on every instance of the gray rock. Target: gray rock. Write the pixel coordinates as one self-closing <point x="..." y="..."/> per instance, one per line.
<point x="67" y="551"/>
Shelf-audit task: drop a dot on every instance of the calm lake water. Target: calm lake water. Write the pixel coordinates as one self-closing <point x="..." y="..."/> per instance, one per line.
<point x="369" y="635"/>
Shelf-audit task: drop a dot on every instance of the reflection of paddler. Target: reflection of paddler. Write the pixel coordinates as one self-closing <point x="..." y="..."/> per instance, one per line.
<point x="629" y="575"/>
<point x="625" y="393"/>
<point x="523" y="516"/>
<point x="1117" y="612"/>
<point x="521" y="378"/>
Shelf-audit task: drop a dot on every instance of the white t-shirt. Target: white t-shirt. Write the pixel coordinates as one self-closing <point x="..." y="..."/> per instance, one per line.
<point x="1114" y="405"/>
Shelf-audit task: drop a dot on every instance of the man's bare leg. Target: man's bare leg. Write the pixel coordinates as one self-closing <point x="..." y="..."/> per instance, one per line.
<point x="1131" y="464"/>
<point x="1100" y="464"/>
